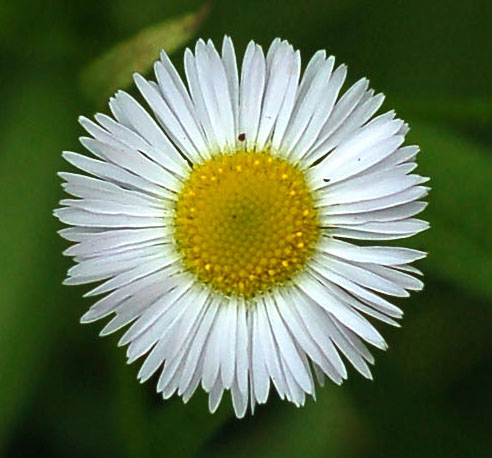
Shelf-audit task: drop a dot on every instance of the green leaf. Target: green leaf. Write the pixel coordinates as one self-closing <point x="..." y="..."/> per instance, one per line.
<point x="113" y="70"/>
<point x="31" y="299"/>
<point x="460" y="213"/>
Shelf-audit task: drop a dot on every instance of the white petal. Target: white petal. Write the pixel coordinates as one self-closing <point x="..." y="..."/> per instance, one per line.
<point x="287" y="349"/>
<point x="280" y="68"/>
<point x="228" y="350"/>
<point x="308" y="101"/>
<point x="288" y="103"/>
<point x="334" y="282"/>
<point x="239" y="400"/>
<point x="230" y="68"/>
<point x="393" y="200"/>
<point x="251" y="90"/>
<point x="361" y="152"/>
<point x="342" y="110"/>
<point x="201" y="112"/>
<point x="272" y="357"/>
<point x="116" y="174"/>
<point x="320" y="349"/>
<point x="387" y="256"/>
<point x="215" y="92"/>
<point x="259" y="373"/>
<point x="118" y="135"/>
<point x="92" y="188"/>
<point x="189" y="138"/>
<point x="369" y="187"/>
<point x="211" y="356"/>
<point x="396" y="213"/>
<point x="316" y="291"/>
<point x="197" y="350"/>
<point x="321" y="114"/>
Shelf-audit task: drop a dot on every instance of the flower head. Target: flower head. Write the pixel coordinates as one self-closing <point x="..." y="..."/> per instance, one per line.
<point x="221" y="226"/>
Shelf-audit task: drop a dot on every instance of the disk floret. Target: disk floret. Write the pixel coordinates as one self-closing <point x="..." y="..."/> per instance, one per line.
<point x="245" y="222"/>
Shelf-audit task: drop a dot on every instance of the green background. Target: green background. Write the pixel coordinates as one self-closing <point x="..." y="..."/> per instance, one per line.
<point x="66" y="393"/>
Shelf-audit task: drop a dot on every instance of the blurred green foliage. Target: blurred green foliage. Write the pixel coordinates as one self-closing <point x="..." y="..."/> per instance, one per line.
<point x="63" y="392"/>
<point x="114" y="69"/>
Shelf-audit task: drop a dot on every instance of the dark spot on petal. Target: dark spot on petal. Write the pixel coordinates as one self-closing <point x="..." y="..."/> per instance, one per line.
<point x="241" y="137"/>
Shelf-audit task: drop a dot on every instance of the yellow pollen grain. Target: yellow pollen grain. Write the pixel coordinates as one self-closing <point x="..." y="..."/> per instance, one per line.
<point x="245" y="222"/>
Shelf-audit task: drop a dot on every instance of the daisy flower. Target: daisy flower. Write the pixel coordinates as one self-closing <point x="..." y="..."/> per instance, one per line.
<point x="222" y="225"/>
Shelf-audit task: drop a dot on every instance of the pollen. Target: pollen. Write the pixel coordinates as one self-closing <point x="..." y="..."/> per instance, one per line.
<point x="245" y="222"/>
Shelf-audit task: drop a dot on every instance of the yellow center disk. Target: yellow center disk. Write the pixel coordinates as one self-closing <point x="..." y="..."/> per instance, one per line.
<point x="245" y="222"/>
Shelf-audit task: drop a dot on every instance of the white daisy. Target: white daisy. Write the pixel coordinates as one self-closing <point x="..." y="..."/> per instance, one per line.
<point x="218" y="228"/>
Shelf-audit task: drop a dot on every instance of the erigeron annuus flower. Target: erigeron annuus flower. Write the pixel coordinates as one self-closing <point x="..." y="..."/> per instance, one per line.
<point x="221" y="228"/>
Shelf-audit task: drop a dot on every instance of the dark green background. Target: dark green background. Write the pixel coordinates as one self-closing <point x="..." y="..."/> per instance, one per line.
<point x="66" y="393"/>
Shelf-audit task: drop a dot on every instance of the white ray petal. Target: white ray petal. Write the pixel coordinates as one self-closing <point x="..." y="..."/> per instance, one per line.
<point x="228" y="350"/>
<point x="197" y="350"/>
<point x="370" y="187"/>
<point x="116" y="174"/>
<point x="348" y="348"/>
<point x="354" y="157"/>
<point x="408" y="195"/>
<point x="397" y="277"/>
<point x="318" y="293"/>
<point x="79" y="217"/>
<point x="239" y="400"/>
<point x="364" y="109"/>
<point x="280" y="67"/>
<point x="251" y="91"/>
<point x="319" y="348"/>
<point x="288" y="104"/>
<point x="137" y="273"/>
<point x="322" y="113"/>
<point x="120" y="136"/>
<point x="396" y="213"/>
<point x="242" y="349"/>
<point x="308" y="100"/>
<point x="287" y="348"/>
<point x="387" y="256"/>
<point x="133" y="162"/>
<point x="375" y="300"/>
<point x="179" y="338"/>
<point x="363" y="276"/>
<point x="215" y="92"/>
<point x="215" y="395"/>
<point x="181" y="136"/>
<point x="173" y="288"/>
<point x="109" y="303"/>
<point x="141" y="122"/>
<point x="386" y="230"/>
<point x="112" y="240"/>
<point x="230" y="68"/>
<point x="342" y="110"/>
<point x="200" y="109"/>
<point x="92" y="188"/>
<point x="271" y="351"/>
<point x="211" y="357"/>
<point x="259" y="372"/>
